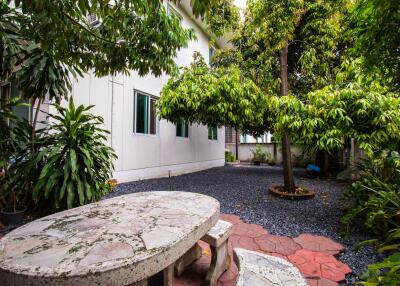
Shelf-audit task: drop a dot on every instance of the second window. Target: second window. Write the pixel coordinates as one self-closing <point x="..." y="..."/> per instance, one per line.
<point x="145" y="114"/>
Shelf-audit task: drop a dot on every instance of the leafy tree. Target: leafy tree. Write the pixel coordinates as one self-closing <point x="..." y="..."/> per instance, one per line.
<point x="52" y="39"/>
<point x="73" y="159"/>
<point x="216" y="97"/>
<point x="286" y="48"/>
<point x="374" y="35"/>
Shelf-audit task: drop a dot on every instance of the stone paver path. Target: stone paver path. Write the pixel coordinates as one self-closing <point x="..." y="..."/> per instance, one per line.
<point x="313" y="255"/>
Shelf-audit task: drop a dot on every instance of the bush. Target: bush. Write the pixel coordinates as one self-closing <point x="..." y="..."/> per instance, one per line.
<point x="385" y="273"/>
<point x="259" y="155"/>
<point x="375" y="197"/>
<point x="15" y="137"/>
<point x="375" y="200"/>
<point x="71" y="164"/>
<point x="229" y="157"/>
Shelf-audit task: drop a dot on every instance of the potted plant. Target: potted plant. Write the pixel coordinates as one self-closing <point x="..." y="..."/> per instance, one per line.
<point x="12" y="213"/>
<point x="12" y="141"/>
<point x="259" y="156"/>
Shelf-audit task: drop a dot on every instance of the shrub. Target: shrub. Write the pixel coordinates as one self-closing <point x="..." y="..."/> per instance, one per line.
<point x="375" y="200"/>
<point x="15" y="137"/>
<point x="375" y="197"/>
<point x="71" y="164"/>
<point x="258" y="154"/>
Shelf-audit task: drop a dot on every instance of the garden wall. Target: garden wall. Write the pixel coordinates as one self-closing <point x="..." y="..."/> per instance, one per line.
<point x="275" y="151"/>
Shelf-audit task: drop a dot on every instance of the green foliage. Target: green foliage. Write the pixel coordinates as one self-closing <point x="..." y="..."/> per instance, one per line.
<point x="133" y="35"/>
<point x="214" y="97"/>
<point x="222" y="17"/>
<point x="385" y="273"/>
<point x="312" y="29"/>
<point x="375" y="197"/>
<point x="12" y="140"/>
<point x="229" y="157"/>
<point x="41" y="74"/>
<point x="259" y="155"/>
<point x="375" y="37"/>
<point x="72" y="163"/>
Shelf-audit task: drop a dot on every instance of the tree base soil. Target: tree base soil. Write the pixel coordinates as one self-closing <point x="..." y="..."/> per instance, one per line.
<point x="298" y="194"/>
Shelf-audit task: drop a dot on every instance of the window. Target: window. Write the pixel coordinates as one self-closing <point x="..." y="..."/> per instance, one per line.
<point x="211" y="53"/>
<point x="182" y="129"/>
<point x="145" y="114"/>
<point x="172" y="11"/>
<point x="212" y="133"/>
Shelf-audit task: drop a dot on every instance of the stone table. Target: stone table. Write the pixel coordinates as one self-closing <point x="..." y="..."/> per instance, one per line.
<point x="119" y="241"/>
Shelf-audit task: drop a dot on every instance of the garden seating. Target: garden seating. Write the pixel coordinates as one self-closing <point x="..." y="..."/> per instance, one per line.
<point x="217" y="238"/>
<point x="259" y="269"/>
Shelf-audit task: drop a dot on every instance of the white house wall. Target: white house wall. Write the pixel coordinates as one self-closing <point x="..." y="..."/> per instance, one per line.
<point x="142" y="156"/>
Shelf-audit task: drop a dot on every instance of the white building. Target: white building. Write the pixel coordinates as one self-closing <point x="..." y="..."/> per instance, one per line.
<point x="146" y="146"/>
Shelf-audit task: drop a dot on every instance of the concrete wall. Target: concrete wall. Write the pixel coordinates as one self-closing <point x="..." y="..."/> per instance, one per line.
<point x="142" y="156"/>
<point x="273" y="149"/>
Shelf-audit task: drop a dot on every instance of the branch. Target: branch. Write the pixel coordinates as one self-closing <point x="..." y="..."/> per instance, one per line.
<point x="88" y="30"/>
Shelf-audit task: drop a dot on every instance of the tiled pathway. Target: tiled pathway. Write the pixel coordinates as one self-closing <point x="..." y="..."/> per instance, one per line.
<point x="313" y="255"/>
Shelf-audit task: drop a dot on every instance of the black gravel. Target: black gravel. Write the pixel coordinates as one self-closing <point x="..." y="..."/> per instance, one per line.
<point x="242" y="190"/>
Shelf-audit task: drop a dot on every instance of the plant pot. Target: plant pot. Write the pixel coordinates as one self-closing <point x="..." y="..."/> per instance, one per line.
<point x="10" y="217"/>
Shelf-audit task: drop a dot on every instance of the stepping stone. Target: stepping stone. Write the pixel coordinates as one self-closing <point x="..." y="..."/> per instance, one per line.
<point x="277" y="244"/>
<point x="318" y="264"/>
<point x="257" y="269"/>
<point x="319" y="243"/>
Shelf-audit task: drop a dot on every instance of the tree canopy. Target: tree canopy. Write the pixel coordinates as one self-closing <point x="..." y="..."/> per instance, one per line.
<point x="315" y="88"/>
<point x="216" y="97"/>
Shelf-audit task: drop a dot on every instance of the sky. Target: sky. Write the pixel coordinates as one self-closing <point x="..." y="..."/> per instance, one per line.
<point x="240" y="3"/>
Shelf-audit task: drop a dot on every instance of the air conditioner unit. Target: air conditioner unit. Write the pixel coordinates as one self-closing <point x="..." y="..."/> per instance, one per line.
<point x="93" y="20"/>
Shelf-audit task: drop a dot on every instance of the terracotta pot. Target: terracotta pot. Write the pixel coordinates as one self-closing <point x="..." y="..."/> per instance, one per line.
<point x="10" y="217"/>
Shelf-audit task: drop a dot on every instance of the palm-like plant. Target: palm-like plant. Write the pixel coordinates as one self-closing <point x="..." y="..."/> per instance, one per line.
<point x="76" y="162"/>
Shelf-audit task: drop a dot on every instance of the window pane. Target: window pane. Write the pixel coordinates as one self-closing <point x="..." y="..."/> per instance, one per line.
<point x="141" y="113"/>
<point x="179" y="132"/>
<point x="215" y="133"/>
<point x="182" y="129"/>
<point x="186" y="130"/>
<point x="212" y="133"/>
<point x="153" y="117"/>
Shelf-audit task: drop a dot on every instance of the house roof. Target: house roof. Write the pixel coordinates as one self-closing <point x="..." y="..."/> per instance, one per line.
<point x="220" y="42"/>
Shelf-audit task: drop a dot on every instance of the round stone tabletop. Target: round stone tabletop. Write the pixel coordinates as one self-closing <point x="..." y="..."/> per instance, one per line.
<point x="112" y="242"/>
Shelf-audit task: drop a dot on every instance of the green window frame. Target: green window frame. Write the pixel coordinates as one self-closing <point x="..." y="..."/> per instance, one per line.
<point x="182" y="129"/>
<point x="212" y="133"/>
<point x="145" y="118"/>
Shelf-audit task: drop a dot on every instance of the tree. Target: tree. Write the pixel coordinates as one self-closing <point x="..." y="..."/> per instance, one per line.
<point x="374" y="35"/>
<point x="287" y="48"/>
<point x="216" y="97"/>
<point x="43" y="42"/>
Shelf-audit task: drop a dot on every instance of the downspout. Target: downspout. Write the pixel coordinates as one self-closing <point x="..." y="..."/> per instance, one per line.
<point x="236" y="144"/>
<point x="112" y="110"/>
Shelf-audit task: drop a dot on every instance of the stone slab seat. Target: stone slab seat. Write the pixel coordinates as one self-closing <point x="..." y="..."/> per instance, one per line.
<point x="217" y="237"/>
<point x="259" y="269"/>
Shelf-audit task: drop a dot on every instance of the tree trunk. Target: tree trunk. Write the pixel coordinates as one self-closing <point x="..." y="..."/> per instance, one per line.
<point x="236" y="144"/>
<point x="286" y="153"/>
<point x="4" y="102"/>
<point x="325" y="171"/>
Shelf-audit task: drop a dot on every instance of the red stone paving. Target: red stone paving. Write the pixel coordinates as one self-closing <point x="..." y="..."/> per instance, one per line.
<point x="313" y="255"/>
<point x="319" y="243"/>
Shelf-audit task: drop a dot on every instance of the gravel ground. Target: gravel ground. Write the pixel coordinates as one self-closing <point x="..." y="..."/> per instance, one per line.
<point x="242" y="190"/>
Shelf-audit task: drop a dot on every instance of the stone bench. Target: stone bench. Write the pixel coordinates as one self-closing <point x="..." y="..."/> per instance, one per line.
<point x="259" y="269"/>
<point x="217" y="238"/>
